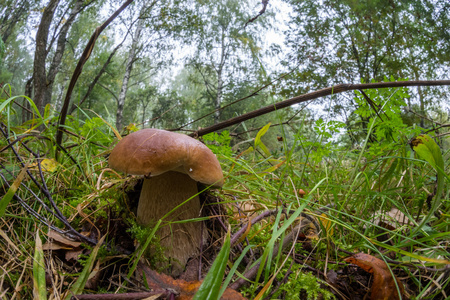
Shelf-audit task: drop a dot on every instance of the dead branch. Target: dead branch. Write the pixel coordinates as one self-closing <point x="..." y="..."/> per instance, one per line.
<point x="337" y="89"/>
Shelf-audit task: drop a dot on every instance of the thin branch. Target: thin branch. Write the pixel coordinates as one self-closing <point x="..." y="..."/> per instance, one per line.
<point x="337" y="89"/>
<point x="263" y="10"/>
<point x="43" y="188"/>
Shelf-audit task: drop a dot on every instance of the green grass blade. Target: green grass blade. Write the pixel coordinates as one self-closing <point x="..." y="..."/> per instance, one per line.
<point x="39" y="285"/>
<point x="11" y="191"/>
<point x="141" y="250"/>
<point x="233" y="269"/>
<point x="210" y="288"/>
<point x="78" y="286"/>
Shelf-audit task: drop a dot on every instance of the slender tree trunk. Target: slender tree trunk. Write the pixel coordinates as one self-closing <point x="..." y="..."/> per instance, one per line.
<point x="60" y="47"/>
<point x="219" y="70"/>
<point x="126" y="77"/>
<point x="219" y="96"/>
<point x="28" y="92"/>
<point x="40" y="55"/>
<point x="96" y="79"/>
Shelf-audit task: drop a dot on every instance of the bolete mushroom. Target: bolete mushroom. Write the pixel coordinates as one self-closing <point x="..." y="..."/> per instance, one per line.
<point x="172" y="164"/>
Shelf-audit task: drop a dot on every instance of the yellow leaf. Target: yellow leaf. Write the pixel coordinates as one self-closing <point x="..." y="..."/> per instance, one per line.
<point x="326" y="224"/>
<point x="47" y="164"/>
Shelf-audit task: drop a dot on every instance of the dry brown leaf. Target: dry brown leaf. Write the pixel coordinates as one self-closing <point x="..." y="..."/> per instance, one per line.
<point x="186" y="289"/>
<point x="392" y="219"/>
<point x="56" y="236"/>
<point x="383" y="286"/>
<point x="57" y="241"/>
<point x="73" y="254"/>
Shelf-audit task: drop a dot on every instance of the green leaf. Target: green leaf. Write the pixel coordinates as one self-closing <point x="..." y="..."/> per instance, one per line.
<point x="39" y="285"/>
<point x="258" y="141"/>
<point x="427" y="149"/>
<point x="78" y="286"/>
<point x="210" y="288"/>
<point x="11" y="191"/>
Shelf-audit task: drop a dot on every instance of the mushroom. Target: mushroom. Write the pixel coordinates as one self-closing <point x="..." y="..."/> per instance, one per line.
<point x="172" y="164"/>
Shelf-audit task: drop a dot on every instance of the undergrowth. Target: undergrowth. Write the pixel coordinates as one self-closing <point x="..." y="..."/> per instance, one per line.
<point x="351" y="190"/>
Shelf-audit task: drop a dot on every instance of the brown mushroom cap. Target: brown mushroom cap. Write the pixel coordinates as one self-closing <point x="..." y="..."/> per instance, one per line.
<point x="152" y="152"/>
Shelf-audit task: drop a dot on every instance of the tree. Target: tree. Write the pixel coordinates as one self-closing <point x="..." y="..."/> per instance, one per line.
<point x="126" y="77"/>
<point x="356" y="41"/>
<point x="44" y="78"/>
<point x="227" y="51"/>
<point x="13" y="13"/>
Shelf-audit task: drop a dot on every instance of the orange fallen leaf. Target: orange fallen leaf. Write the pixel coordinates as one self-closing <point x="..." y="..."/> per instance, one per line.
<point x="185" y="289"/>
<point x="383" y="286"/>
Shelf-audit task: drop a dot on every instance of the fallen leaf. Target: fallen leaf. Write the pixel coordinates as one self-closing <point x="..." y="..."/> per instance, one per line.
<point x="185" y="289"/>
<point x="383" y="286"/>
<point x="47" y="164"/>
<point x="391" y="220"/>
<point x="57" y="241"/>
<point x="62" y="239"/>
<point x="73" y="255"/>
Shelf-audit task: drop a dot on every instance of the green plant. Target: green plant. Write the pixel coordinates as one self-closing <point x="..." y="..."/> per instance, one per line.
<point x="219" y="143"/>
<point x="302" y="285"/>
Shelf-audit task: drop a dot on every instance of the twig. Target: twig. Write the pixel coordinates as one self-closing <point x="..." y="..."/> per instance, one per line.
<point x="44" y="189"/>
<point x="125" y="296"/>
<point x="30" y="210"/>
<point x="253" y="221"/>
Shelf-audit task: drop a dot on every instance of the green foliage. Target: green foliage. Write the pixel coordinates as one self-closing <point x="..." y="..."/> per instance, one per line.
<point x="219" y="143"/>
<point x="144" y="235"/>
<point x="383" y="108"/>
<point x="302" y="285"/>
<point x="2" y="52"/>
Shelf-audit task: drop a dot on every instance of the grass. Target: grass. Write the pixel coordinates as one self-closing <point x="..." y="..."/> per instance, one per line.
<point x="348" y="191"/>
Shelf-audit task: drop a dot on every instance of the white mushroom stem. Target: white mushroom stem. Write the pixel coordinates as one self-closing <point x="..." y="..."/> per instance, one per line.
<point x="161" y="194"/>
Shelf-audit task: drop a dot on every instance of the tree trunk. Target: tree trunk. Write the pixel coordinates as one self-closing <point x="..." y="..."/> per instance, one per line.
<point x="219" y="70"/>
<point x="26" y="115"/>
<point x="126" y="77"/>
<point x="96" y="79"/>
<point x="60" y="47"/>
<point x="40" y="55"/>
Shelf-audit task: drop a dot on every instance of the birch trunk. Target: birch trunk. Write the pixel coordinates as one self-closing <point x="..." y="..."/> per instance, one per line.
<point x="219" y="70"/>
<point x="126" y="77"/>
